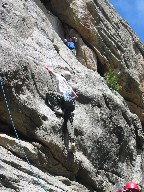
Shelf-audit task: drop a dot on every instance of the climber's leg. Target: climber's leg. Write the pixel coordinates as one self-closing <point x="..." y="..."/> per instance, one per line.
<point x="68" y="121"/>
<point x="54" y="100"/>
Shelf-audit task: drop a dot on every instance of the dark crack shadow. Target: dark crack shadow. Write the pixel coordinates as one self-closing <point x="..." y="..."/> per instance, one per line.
<point x="7" y="182"/>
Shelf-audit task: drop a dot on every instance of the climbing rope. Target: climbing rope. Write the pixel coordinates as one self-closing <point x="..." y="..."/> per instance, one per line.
<point x="13" y="125"/>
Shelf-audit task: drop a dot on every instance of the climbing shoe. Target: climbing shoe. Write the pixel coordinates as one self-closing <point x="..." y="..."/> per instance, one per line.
<point x="73" y="147"/>
<point x="58" y="112"/>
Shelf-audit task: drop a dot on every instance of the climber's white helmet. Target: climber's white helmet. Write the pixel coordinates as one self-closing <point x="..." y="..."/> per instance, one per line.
<point x="66" y="75"/>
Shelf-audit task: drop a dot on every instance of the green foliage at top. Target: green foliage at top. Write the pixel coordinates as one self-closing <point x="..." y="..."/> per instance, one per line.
<point x="112" y="81"/>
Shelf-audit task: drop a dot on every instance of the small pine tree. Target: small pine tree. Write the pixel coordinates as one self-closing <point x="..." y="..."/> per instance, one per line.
<point x="112" y="81"/>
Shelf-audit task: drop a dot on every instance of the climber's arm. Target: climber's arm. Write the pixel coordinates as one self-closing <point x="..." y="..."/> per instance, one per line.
<point x="74" y="95"/>
<point x="50" y="71"/>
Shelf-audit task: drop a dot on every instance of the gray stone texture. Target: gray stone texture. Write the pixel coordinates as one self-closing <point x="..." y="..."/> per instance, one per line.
<point x="109" y="138"/>
<point x="112" y="40"/>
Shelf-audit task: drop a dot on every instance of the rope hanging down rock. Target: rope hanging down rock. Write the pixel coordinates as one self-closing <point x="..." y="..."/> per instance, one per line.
<point x="22" y="148"/>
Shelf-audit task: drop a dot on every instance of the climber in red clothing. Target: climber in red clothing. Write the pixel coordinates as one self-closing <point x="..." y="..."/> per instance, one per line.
<point x="130" y="187"/>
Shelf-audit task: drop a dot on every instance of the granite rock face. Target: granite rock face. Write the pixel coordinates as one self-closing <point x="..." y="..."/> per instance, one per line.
<point x="115" y="44"/>
<point x="109" y="138"/>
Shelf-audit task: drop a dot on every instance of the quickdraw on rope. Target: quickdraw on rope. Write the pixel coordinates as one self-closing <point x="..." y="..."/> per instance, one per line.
<point x="13" y="125"/>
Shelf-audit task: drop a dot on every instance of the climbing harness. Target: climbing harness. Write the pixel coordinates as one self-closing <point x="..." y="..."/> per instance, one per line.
<point x="68" y="97"/>
<point x="22" y="148"/>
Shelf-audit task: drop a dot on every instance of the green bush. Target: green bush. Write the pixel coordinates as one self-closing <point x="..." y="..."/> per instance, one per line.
<point x="112" y="81"/>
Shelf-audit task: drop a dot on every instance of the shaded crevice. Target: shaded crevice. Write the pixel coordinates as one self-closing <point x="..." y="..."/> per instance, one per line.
<point x="101" y="68"/>
<point x="5" y="181"/>
<point x="6" y="128"/>
<point x="126" y="119"/>
<point x="31" y="120"/>
<point x="83" y="177"/>
<point x="47" y="4"/>
<point x="107" y="101"/>
<point x="83" y="99"/>
<point x="131" y="101"/>
<point x="17" y="166"/>
<point x="10" y="132"/>
<point x="35" y="84"/>
<point x="56" y="48"/>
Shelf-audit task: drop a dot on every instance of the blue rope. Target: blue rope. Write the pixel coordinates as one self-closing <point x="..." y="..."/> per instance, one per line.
<point x="37" y="177"/>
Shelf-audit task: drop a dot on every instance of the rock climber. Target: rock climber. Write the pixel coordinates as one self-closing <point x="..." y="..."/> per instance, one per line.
<point x="71" y="44"/>
<point x="130" y="187"/>
<point x="63" y="101"/>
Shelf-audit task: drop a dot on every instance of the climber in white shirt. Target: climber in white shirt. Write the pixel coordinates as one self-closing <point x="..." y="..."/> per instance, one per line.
<point x="62" y="85"/>
<point x="63" y="102"/>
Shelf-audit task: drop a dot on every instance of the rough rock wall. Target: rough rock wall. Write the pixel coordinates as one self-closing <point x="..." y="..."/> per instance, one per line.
<point x="113" y="41"/>
<point x="109" y="137"/>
